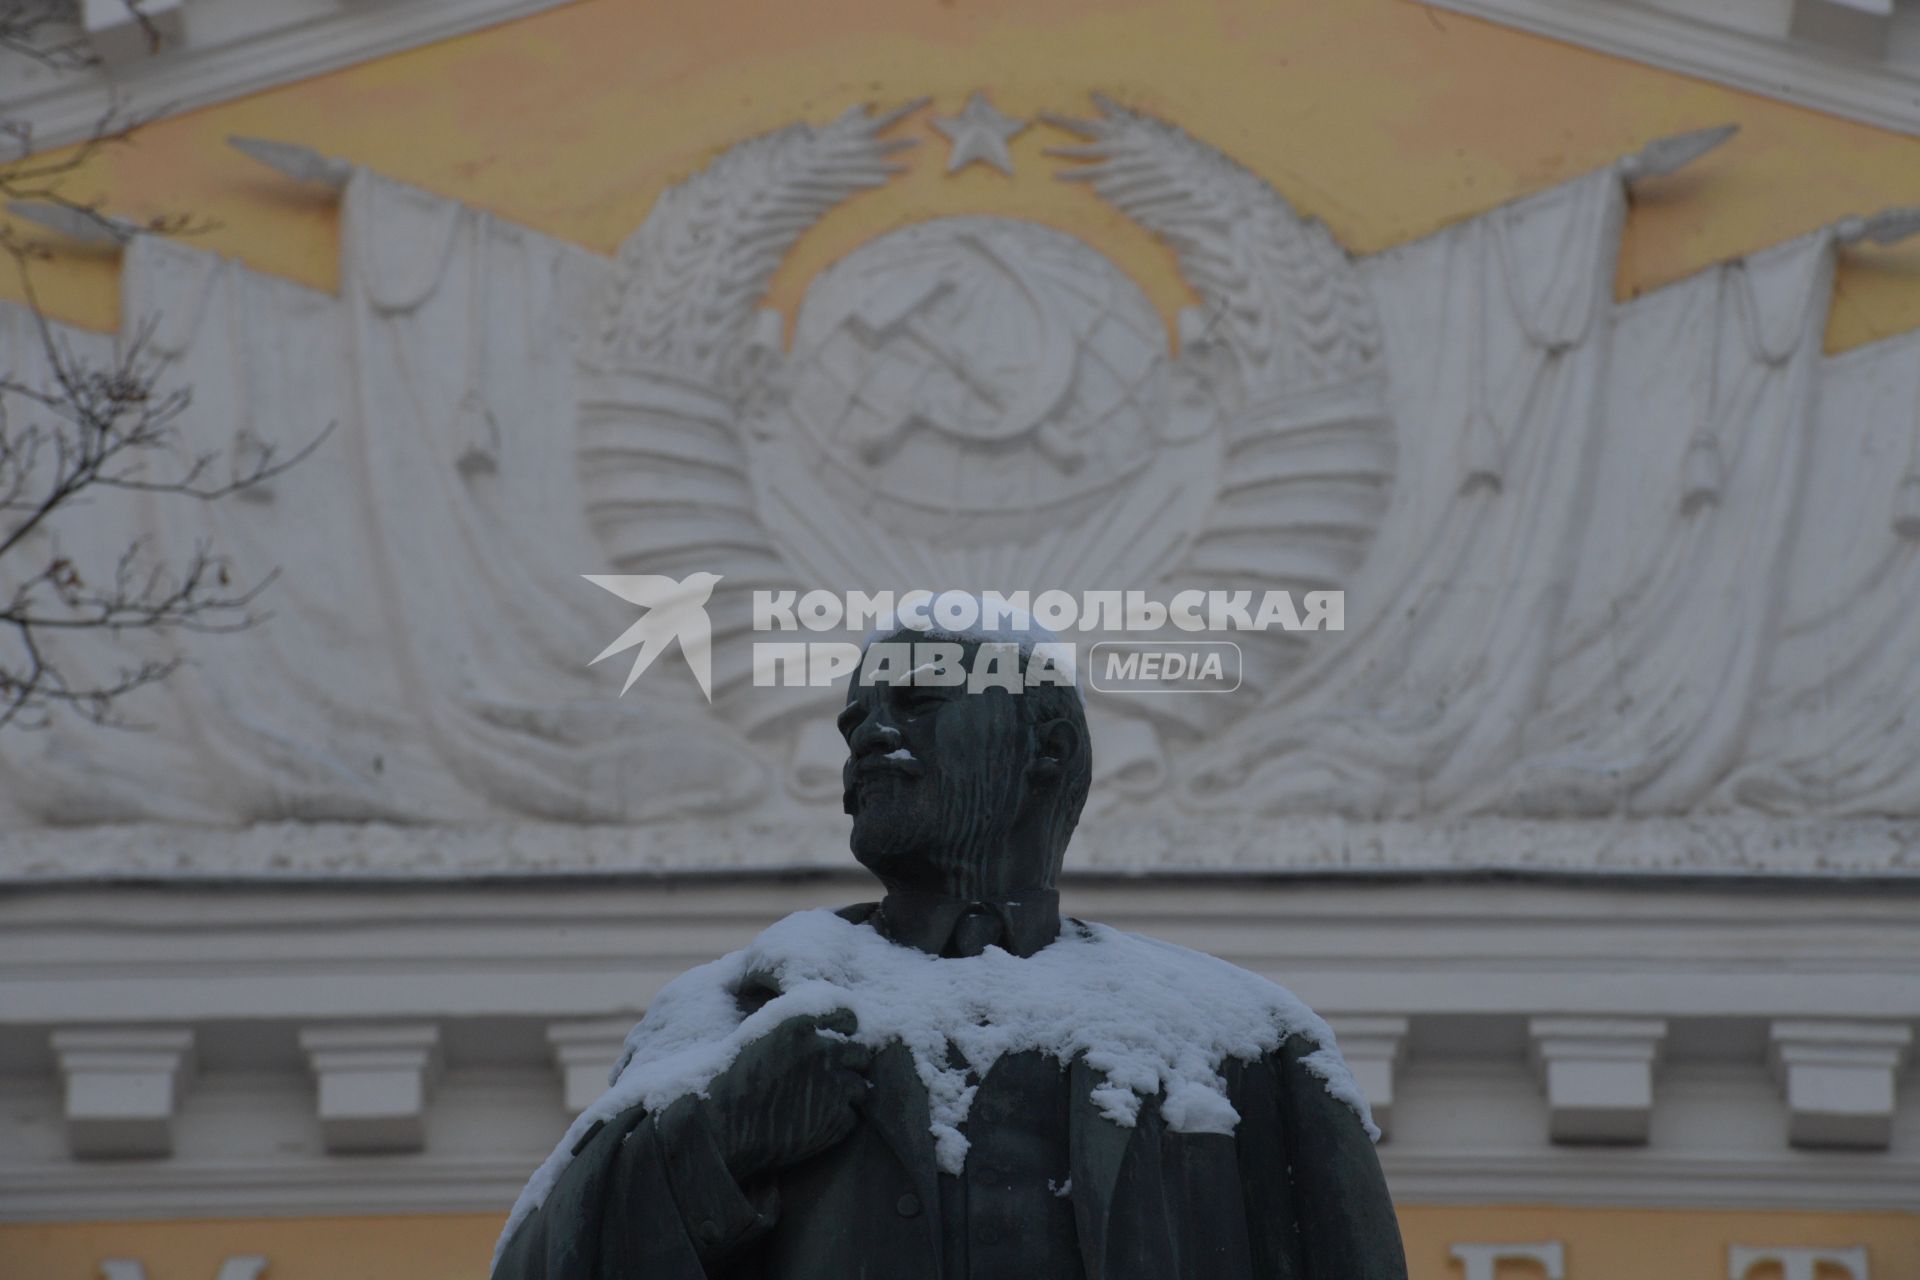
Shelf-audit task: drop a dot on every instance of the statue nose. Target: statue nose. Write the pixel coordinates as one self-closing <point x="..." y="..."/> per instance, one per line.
<point x="875" y="735"/>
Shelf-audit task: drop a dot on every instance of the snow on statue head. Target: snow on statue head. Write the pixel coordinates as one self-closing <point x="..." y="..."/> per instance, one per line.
<point x="968" y="755"/>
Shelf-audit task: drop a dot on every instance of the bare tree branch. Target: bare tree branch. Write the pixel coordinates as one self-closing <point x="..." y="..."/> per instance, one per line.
<point x="37" y="29"/>
<point x="78" y="428"/>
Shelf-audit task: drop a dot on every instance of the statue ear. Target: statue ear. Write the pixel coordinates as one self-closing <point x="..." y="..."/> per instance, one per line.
<point x="1054" y="743"/>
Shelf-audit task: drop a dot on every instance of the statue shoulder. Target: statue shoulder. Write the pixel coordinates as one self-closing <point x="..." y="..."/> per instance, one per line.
<point x="1316" y="1079"/>
<point x="1291" y="1057"/>
<point x="758" y="986"/>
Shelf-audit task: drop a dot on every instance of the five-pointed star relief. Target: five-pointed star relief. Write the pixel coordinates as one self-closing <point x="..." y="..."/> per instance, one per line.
<point x="979" y="133"/>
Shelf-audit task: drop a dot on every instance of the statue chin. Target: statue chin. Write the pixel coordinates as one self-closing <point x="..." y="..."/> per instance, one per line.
<point x="943" y="834"/>
<point x="889" y="847"/>
<point x="896" y="826"/>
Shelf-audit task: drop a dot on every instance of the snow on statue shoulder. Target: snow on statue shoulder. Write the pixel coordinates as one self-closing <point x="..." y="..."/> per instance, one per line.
<point x="1150" y="1016"/>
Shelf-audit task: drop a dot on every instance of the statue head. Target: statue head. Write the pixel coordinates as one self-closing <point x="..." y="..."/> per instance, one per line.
<point x="972" y="792"/>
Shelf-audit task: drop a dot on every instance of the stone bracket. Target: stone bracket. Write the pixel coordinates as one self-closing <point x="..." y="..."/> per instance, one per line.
<point x="1598" y="1075"/>
<point x="584" y="1052"/>
<point x="123" y="1085"/>
<point x="1838" y="1078"/>
<point x="374" y="1080"/>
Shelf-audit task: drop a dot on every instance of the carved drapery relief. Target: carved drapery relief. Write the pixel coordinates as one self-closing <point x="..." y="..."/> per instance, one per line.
<point x="1652" y="558"/>
<point x="1497" y="354"/>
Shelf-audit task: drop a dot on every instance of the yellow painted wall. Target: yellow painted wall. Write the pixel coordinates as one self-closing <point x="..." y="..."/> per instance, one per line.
<point x="1386" y="118"/>
<point x="1601" y="1244"/>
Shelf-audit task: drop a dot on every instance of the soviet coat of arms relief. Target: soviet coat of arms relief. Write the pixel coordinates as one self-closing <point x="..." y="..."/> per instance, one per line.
<point x="987" y="403"/>
<point x="1647" y="559"/>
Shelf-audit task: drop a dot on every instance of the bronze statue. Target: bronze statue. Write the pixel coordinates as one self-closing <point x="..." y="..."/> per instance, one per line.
<point x="818" y="1150"/>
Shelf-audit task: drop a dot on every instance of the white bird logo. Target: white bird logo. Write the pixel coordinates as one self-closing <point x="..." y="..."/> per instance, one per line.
<point x="673" y="610"/>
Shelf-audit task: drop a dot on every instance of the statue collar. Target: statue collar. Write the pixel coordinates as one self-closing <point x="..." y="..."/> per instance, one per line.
<point x="916" y="918"/>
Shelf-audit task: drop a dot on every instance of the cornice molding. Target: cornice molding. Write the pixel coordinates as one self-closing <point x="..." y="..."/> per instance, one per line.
<point x="1792" y="71"/>
<point x="1162" y="843"/>
<point x="64" y="108"/>
<point x="100" y="956"/>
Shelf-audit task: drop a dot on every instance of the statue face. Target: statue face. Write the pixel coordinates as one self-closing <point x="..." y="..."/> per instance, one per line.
<point x="936" y="782"/>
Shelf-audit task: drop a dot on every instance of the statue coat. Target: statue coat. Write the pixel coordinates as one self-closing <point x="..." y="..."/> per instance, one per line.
<point x="1295" y="1193"/>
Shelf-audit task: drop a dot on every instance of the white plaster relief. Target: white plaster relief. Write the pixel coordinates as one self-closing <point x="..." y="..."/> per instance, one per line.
<point x="1644" y="561"/>
<point x="979" y="133"/>
<point x="1424" y="699"/>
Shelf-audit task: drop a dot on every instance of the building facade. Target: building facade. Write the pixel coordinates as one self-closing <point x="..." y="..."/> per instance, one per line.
<point x="1594" y="831"/>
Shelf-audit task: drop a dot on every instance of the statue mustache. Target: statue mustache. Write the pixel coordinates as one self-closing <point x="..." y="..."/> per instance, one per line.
<point x="864" y="767"/>
<point x="893" y="762"/>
